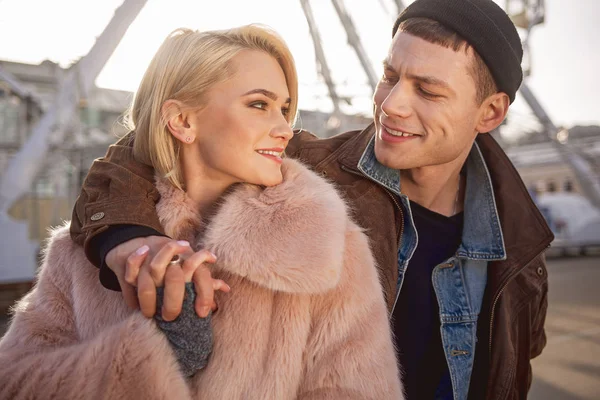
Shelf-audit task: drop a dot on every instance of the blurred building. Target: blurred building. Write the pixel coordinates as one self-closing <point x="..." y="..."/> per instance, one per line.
<point x="26" y="91"/>
<point x="542" y="167"/>
<point x="325" y="124"/>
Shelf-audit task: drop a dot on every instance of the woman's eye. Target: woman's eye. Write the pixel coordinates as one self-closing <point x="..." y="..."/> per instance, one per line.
<point x="285" y="111"/>
<point x="261" y="105"/>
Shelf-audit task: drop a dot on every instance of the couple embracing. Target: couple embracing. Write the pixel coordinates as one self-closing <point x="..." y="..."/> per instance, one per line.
<point x="254" y="262"/>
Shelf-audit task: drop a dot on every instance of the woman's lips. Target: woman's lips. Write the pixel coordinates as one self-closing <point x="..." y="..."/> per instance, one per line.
<point x="273" y="154"/>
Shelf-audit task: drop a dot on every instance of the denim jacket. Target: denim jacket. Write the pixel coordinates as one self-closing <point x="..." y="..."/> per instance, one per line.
<point x="459" y="282"/>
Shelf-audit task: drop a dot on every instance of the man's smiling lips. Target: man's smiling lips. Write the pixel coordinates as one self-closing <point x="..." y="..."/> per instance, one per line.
<point x="396" y="136"/>
<point x="275" y="154"/>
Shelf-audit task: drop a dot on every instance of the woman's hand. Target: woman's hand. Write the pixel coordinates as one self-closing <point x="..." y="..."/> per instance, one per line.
<point x="159" y="272"/>
<point x="149" y="267"/>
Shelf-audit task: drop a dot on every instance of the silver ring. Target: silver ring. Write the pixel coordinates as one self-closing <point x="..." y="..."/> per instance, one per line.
<point x="175" y="260"/>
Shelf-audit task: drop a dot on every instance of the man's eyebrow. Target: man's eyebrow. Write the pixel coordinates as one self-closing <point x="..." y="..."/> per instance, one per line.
<point x="430" y="80"/>
<point x="427" y="79"/>
<point x="387" y="65"/>
<point x="267" y="93"/>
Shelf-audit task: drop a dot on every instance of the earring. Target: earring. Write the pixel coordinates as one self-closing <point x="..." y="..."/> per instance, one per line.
<point x="188" y="139"/>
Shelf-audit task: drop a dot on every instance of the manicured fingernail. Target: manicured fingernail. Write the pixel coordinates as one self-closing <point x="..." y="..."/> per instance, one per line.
<point x="183" y="243"/>
<point x="142" y="250"/>
<point x="204" y="311"/>
<point x="214" y="256"/>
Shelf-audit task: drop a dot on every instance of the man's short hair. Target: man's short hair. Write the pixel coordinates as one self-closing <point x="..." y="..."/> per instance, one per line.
<point x="436" y="33"/>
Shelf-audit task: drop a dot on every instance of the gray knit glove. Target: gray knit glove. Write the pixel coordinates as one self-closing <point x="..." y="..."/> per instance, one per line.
<point x="189" y="335"/>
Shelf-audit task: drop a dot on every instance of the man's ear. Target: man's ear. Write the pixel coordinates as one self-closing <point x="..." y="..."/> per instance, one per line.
<point x="492" y="112"/>
<point x="176" y="116"/>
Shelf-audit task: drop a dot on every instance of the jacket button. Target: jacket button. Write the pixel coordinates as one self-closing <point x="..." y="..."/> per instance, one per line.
<point x="540" y="271"/>
<point x="98" y="216"/>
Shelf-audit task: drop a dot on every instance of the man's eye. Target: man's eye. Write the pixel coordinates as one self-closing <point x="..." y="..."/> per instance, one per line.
<point x="427" y="94"/>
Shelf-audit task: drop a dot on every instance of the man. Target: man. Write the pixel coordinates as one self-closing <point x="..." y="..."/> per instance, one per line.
<point x="458" y="241"/>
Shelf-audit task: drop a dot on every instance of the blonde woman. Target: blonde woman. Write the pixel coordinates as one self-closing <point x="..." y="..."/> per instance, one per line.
<point x="305" y="317"/>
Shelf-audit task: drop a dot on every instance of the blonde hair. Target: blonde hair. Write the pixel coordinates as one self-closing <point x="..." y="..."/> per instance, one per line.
<point x="185" y="67"/>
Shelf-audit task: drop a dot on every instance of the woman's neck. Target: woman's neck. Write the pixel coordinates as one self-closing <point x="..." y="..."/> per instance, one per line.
<point x="203" y="186"/>
<point x="205" y="192"/>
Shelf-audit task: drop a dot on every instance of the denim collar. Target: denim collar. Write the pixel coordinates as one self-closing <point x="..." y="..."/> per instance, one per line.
<point x="482" y="234"/>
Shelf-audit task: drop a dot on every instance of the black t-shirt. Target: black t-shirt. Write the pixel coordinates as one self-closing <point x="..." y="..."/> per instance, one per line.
<point x="416" y="316"/>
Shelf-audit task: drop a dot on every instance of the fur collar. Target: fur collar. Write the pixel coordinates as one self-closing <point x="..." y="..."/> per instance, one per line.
<point x="288" y="237"/>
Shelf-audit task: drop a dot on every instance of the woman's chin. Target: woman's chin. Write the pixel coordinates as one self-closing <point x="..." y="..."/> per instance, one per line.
<point x="268" y="181"/>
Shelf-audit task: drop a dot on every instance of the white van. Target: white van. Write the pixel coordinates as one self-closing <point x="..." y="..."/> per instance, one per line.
<point x="574" y="221"/>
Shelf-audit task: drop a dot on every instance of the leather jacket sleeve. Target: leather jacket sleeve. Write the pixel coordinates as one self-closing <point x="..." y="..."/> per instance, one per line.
<point x="118" y="190"/>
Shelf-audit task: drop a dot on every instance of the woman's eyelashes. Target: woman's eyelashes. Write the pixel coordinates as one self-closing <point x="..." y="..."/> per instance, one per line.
<point x="263" y="105"/>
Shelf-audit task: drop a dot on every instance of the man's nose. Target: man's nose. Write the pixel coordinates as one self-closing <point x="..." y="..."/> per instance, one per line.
<point x="398" y="101"/>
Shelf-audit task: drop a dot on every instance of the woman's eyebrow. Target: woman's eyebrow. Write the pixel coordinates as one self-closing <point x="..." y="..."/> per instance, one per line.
<point x="267" y="93"/>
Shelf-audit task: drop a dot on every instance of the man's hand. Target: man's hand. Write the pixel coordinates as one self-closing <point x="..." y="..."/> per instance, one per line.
<point x="144" y="263"/>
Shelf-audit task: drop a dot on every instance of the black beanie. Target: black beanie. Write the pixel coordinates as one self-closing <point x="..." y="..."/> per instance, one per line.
<point x="486" y="27"/>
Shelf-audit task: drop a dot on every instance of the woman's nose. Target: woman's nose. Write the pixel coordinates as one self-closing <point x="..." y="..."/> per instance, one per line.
<point x="282" y="131"/>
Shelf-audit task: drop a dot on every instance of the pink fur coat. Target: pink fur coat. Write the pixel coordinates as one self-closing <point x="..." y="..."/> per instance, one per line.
<point x="305" y="318"/>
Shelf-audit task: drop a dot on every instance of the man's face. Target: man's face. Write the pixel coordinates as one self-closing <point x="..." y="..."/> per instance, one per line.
<point x="425" y="105"/>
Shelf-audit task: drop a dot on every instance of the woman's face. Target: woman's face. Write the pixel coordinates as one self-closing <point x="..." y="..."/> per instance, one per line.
<point x="242" y="131"/>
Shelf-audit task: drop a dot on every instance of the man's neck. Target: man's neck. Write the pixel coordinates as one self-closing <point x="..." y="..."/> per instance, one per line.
<point x="438" y="188"/>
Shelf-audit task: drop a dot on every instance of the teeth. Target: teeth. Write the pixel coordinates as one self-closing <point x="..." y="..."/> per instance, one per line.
<point x="269" y="152"/>
<point x="398" y="133"/>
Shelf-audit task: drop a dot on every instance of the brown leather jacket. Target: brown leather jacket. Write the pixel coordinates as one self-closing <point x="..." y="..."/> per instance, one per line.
<point x="511" y="325"/>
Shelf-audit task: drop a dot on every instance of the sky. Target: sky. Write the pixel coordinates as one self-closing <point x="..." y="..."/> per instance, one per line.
<point x="565" y="50"/>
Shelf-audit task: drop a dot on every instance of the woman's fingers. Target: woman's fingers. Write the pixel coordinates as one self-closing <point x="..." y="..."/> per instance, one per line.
<point x="146" y="291"/>
<point x="134" y="263"/>
<point x="195" y="269"/>
<point x="220" y="285"/>
<point x="174" y="293"/>
<point x="204" y="290"/>
<point x="128" y="278"/>
<point x="158" y="264"/>
<point x="129" y="294"/>
<point x="193" y="262"/>
<point x="148" y="274"/>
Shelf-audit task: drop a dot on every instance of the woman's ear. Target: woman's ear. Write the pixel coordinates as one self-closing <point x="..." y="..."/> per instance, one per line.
<point x="176" y="118"/>
<point x="493" y="111"/>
